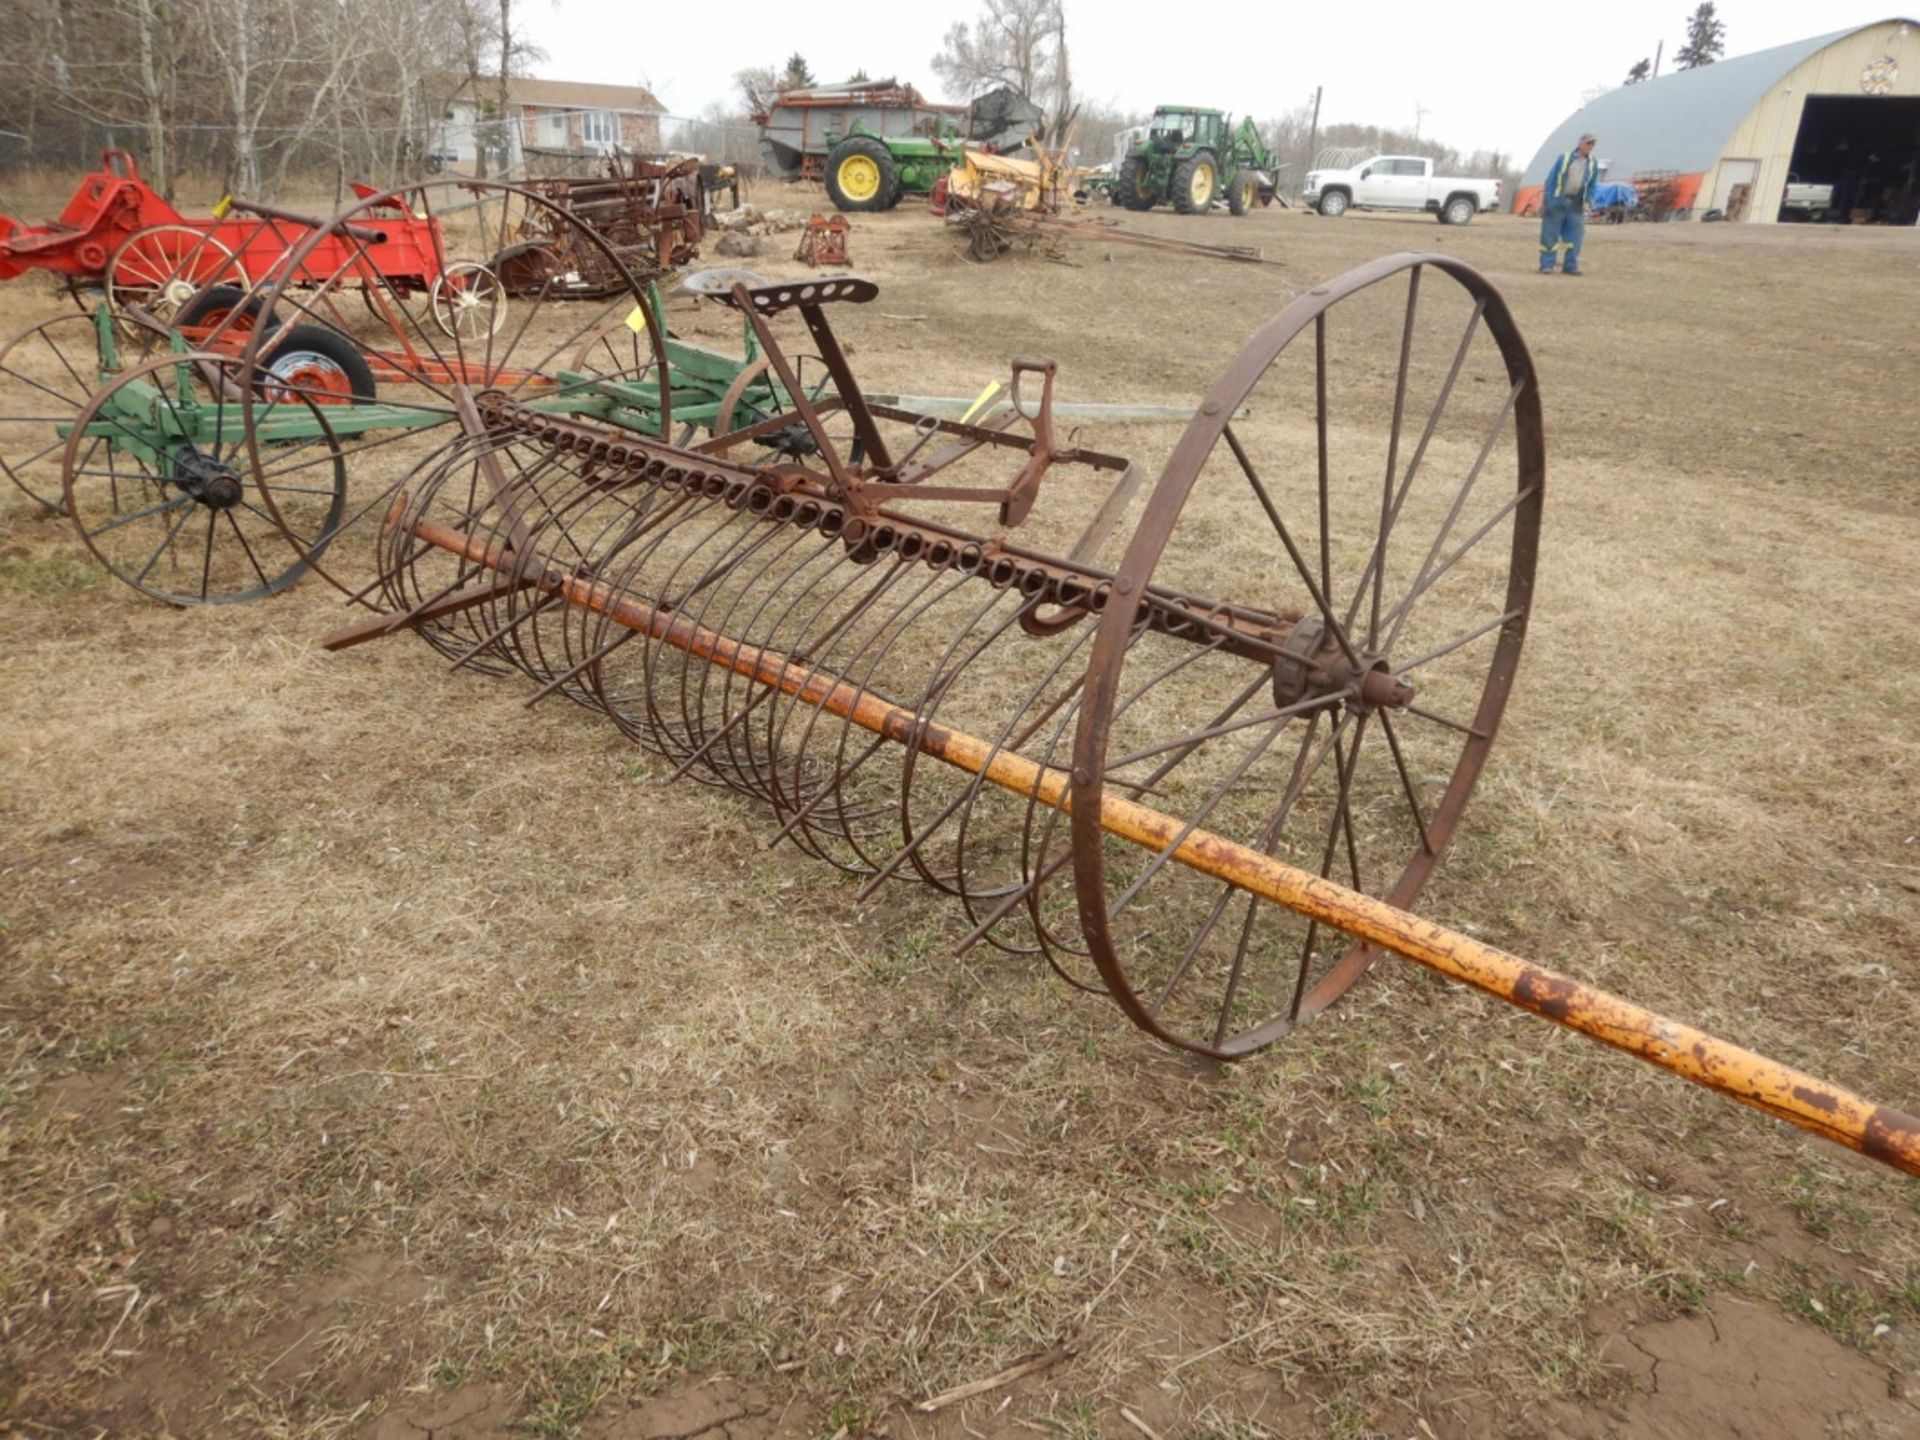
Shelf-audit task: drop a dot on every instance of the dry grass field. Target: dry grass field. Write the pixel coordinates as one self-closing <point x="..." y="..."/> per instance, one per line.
<point x="380" y="1058"/>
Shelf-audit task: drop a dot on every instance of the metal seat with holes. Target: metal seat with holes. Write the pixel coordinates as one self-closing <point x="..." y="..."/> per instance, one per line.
<point x="769" y="297"/>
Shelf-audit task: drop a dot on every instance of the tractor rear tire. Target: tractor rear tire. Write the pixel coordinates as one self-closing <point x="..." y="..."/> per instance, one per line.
<point x="1195" y="182"/>
<point x="1132" y="187"/>
<point x="861" y="176"/>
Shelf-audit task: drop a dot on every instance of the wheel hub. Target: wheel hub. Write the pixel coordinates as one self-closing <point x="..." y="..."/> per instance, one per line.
<point x="1312" y="664"/>
<point x="209" y="480"/>
<point x="859" y="177"/>
<point x="306" y="374"/>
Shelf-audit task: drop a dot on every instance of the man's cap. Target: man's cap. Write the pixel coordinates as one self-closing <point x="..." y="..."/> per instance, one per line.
<point x="1585" y="138"/>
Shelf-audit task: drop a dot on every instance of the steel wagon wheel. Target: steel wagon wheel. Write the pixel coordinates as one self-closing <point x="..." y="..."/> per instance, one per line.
<point x="160" y="268"/>
<point x="1355" y="608"/>
<point x="159" y="478"/>
<point x="46" y="375"/>
<point x="352" y="279"/>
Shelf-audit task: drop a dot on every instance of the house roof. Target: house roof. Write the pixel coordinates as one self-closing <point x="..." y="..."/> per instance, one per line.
<point x="563" y="94"/>
<point x="1681" y="121"/>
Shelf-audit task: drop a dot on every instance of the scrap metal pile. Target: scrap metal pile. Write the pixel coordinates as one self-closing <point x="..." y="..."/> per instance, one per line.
<point x="648" y="210"/>
<point x="1198" y="753"/>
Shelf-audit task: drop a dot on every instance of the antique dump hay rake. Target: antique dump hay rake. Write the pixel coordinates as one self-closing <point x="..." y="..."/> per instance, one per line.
<point x="1201" y="768"/>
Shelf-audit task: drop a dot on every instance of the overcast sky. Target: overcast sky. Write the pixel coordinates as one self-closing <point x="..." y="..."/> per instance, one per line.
<point x="1497" y="76"/>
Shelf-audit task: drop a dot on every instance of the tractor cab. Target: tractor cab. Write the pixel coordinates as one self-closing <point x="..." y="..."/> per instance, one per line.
<point x="1178" y="127"/>
<point x="1169" y="129"/>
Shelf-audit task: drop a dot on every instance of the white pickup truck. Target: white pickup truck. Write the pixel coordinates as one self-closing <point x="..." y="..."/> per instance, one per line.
<point x="1401" y="182"/>
<point x="1802" y="201"/>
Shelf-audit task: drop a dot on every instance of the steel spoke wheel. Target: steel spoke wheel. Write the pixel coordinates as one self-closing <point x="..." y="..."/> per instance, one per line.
<point x="47" y="374"/>
<point x="1313" y="636"/>
<point x="468" y="300"/>
<point x="159" y="479"/>
<point x="339" y="317"/>
<point x="161" y="267"/>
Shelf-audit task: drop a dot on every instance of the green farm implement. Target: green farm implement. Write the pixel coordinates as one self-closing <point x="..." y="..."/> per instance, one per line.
<point x="216" y="460"/>
<point x="187" y="475"/>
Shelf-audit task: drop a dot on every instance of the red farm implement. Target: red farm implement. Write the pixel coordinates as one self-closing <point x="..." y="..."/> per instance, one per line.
<point x="117" y="232"/>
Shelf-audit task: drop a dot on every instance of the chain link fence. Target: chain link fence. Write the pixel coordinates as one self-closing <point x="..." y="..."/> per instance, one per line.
<point x="316" y="161"/>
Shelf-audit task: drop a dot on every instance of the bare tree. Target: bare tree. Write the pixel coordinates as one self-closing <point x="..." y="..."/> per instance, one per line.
<point x="1293" y="137"/>
<point x="108" y="66"/>
<point x="1095" y="127"/>
<point x="1021" y="43"/>
<point x="274" y="60"/>
<point x="758" y="85"/>
<point x="157" y="68"/>
<point x="253" y="89"/>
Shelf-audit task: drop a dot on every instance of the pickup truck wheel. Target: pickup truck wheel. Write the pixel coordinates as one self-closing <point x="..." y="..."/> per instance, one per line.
<point x="1334" y="203"/>
<point x="1194" y="181"/>
<point x="861" y="175"/>
<point x="1459" y="210"/>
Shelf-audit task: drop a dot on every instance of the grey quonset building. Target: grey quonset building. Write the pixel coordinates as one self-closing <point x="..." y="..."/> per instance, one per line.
<point x="1840" y="109"/>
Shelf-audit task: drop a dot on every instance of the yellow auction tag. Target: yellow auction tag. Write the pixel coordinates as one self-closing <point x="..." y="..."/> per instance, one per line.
<point x="993" y="388"/>
<point x="222" y="206"/>
<point x="637" y="321"/>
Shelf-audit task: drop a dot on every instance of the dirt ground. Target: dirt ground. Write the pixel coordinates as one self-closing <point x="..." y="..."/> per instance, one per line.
<point x="381" y="1058"/>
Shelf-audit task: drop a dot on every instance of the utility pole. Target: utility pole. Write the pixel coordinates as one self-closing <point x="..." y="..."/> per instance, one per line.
<point x="1658" y="46"/>
<point x="1313" y="133"/>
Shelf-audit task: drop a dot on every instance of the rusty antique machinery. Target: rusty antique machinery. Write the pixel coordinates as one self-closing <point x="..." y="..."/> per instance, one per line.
<point x="1201" y="761"/>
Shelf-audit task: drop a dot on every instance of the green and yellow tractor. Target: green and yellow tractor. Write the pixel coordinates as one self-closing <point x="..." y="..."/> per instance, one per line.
<point x="1192" y="157"/>
<point x="865" y="171"/>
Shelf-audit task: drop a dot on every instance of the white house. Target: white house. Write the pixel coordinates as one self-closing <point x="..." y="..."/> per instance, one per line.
<point x="552" y="117"/>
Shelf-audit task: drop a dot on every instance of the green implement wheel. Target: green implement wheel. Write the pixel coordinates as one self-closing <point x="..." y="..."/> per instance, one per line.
<point x="1194" y="181"/>
<point x="862" y="176"/>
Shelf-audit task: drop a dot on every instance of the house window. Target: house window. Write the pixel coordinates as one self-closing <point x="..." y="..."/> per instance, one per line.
<point x="597" y="127"/>
<point x="557" y="126"/>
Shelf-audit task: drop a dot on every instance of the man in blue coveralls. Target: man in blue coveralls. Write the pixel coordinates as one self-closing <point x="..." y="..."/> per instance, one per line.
<point x="1563" y="206"/>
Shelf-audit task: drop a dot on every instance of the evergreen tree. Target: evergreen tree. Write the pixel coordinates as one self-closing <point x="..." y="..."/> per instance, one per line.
<point x="1706" y="38"/>
<point x="1641" y="70"/>
<point x="799" y="77"/>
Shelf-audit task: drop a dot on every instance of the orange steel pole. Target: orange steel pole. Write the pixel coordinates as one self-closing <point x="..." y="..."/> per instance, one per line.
<point x="1878" y="1131"/>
